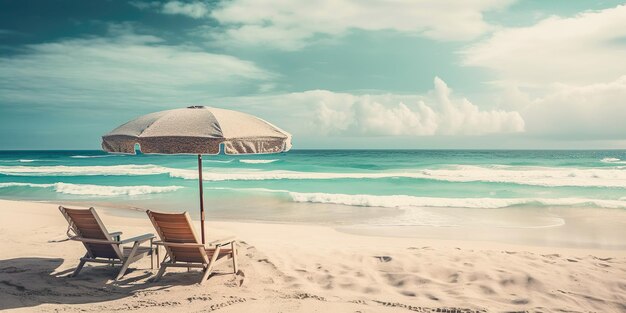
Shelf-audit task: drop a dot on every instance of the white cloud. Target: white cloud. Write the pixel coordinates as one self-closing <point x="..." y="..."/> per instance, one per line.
<point x="587" y="48"/>
<point x="144" y="5"/>
<point x="595" y="111"/>
<point x="322" y="112"/>
<point x="194" y="9"/>
<point x="294" y="24"/>
<point x="566" y="76"/>
<point x="124" y="68"/>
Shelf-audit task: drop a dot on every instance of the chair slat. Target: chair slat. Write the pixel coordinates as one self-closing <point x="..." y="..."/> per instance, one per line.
<point x="84" y="222"/>
<point x="175" y="225"/>
<point x="93" y="234"/>
<point x="78" y="212"/>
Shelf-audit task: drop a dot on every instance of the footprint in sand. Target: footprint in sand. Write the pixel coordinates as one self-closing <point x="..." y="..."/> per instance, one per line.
<point x="383" y="258"/>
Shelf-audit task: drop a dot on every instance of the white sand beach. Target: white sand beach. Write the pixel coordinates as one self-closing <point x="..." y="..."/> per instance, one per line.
<point x="303" y="268"/>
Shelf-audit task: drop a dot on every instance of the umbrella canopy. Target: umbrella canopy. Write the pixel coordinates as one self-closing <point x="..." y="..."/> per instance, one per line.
<point x="197" y="130"/>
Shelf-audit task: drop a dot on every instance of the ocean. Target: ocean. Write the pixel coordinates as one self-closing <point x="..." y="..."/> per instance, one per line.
<point x="370" y="187"/>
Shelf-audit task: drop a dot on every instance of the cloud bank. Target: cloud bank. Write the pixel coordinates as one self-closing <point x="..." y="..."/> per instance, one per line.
<point x="587" y="48"/>
<point x="595" y="111"/>
<point x="565" y="75"/>
<point x="124" y="67"/>
<point x="323" y="112"/>
<point x="291" y="25"/>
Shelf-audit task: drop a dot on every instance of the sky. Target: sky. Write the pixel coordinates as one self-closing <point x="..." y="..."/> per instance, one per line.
<point x="337" y="74"/>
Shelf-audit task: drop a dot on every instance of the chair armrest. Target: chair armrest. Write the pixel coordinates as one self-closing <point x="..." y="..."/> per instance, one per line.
<point x="116" y="235"/>
<point x="90" y="240"/>
<point x="178" y="244"/>
<point x="222" y="242"/>
<point x="140" y="239"/>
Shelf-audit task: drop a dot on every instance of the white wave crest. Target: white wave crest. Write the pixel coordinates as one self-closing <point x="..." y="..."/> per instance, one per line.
<point x="26" y="160"/>
<point x="63" y="170"/>
<point x="216" y="161"/>
<point x="405" y="201"/>
<point x="613" y="160"/>
<point x="250" y="161"/>
<point x="609" y="160"/>
<point x="4" y="185"/>
<point x="263" y="190"/>
<point x="401" y="201"/>
<point x="94" y="156"/>
<point x="538" y="176"/>
<point x="96" y="190"/>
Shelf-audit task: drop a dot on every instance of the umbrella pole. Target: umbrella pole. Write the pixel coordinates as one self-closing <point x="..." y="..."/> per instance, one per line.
<point x="201" y="196"/>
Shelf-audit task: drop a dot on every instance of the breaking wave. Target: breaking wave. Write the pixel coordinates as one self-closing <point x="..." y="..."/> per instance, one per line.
<point x="63" y="170"/>
<point x="95" y="156"/>
<point x="400" y="201"/>
<point x="249" y="161"/>
<point x="613" y="160"/>
<point x="405" y="201"/>
<point x="96" y="190"/>
<point x="538" y="176"/>
<point x="90" y="156"/>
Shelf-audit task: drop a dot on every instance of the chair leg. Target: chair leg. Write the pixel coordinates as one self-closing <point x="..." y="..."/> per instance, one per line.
<point x="160" y="273"/>
<point x="209" y="267"/>
<point x="128" y="260"/>
<point x="79" y="267"/>
<point x="123" y="269"/>
<point x="207" y="272"/>
<point x="234" y="251"/>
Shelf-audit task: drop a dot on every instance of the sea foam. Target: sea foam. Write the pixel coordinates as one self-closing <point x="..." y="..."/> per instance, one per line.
<point x="63" y="170"/>
<point x="250" y="161"/>
<point x="406" y="201"/>
<point x="96" y="190"/>
<point x="94" y="156"/>
<point x="538" y="176"/>
<point x="613" y="160"/>
<point x="401" y="201"/>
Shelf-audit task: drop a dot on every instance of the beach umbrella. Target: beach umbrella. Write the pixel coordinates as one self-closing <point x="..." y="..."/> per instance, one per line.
<point x="197" y="130"/>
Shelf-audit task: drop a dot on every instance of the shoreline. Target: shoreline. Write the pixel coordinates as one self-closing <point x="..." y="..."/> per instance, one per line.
<point x="606" y="227"/>
<point x="451" y="240"/>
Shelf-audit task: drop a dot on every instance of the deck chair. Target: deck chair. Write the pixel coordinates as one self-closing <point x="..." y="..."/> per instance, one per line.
<point x="102" y="246"/>
<point x="184" y="248"/>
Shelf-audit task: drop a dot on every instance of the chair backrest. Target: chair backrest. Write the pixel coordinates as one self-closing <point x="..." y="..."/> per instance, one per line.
<point x="177" y="228"/>
<point x="86" y="224"/>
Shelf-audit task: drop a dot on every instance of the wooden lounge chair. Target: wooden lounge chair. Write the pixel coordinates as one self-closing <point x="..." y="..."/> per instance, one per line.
<point x="184" y="248"/>
<point x="102" y="246"/>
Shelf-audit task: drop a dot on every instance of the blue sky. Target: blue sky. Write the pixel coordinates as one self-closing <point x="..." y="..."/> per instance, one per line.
<point x="336" y="74"/>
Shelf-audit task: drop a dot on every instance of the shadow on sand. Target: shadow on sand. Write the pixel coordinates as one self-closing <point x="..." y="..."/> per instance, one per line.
<point x="28" y="282"/>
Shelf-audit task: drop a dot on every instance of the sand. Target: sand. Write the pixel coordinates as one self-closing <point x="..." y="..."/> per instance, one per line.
<point x="304" y="268"/>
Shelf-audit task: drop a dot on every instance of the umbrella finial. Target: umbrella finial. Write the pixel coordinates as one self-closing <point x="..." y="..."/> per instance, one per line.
<point x="196" y="107"/>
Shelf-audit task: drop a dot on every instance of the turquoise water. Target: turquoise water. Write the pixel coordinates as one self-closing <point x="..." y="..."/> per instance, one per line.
<point x="329" y="185"/>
